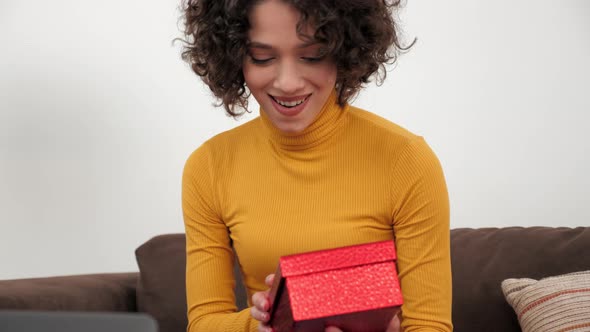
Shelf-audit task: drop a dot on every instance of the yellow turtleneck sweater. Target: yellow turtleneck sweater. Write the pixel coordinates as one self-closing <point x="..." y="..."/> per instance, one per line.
<point x="351" y="177"/>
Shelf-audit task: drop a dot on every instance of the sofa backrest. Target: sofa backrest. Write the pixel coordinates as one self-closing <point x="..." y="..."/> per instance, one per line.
<point x="160" y="288"/>
<point x="161" y="285"/>
<point x="481" y="260"/>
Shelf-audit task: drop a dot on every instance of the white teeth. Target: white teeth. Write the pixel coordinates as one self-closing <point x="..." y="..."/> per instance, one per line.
<point x="290" y="103"/>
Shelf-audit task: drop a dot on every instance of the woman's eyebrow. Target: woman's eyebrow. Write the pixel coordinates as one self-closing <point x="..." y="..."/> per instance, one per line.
<point x="308" y="44"/>
<point x="255" y="44"/>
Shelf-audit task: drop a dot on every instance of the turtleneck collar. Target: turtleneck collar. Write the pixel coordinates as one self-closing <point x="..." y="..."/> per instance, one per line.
<point x="322" y="128"/>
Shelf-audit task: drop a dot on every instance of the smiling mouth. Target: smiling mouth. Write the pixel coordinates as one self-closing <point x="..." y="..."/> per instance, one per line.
<point x="290" y="102"/>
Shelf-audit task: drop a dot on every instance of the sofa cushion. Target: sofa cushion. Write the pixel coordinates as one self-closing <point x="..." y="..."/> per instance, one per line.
<point x="87" y="292"/>
<point x="483" y="258"/>
<point x="559" y="303"/>
<point x="161" y="290"/>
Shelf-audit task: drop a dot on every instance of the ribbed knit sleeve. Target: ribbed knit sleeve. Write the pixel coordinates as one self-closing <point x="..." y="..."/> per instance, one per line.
<point x="421" y="228"/>
<point x="209" y="275"/>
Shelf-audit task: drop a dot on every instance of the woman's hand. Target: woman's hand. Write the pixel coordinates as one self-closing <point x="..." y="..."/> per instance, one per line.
<point x="261" y="306"/>
<point x="394" y="326"/>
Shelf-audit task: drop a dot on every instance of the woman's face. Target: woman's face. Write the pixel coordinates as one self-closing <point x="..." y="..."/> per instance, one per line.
<point x="285" y="73"/>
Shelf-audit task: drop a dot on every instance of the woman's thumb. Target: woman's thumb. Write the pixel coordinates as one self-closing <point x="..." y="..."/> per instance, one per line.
<point x="333" y="329"/>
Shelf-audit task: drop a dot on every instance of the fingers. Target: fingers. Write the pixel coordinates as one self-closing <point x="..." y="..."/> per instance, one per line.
<point x="264" y="328"/>
<point x="259" y="315"/>
<point x="394" y="325"/>
<point x="332" y="329"/>
<point x="261" y="306"/>
<point x="260" y="301"/>
<point x="269" y="280"/>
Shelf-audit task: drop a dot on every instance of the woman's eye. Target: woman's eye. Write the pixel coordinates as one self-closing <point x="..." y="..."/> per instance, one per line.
<point x="260" y="61"/>
<point x="312" y="59"/>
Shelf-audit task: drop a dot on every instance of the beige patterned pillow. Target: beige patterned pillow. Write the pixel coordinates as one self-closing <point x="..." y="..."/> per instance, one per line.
<point x="553" y="304"/>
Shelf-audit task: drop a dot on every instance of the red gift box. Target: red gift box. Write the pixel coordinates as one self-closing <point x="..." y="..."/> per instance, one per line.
<point x="355" y="288"/>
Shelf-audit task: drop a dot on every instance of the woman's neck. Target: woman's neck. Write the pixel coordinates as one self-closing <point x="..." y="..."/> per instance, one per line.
<point x="322" y="128"/>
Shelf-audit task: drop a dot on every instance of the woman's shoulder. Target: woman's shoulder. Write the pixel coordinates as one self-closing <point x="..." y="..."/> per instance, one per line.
<point x="241" y="133"/>
<point x="367" y="122"/>
<point x="410" y="152"/>
<point x="224" y="143"/>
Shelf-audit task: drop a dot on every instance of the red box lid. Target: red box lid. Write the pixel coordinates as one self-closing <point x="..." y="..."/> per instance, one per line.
<point x="337" y="258"/>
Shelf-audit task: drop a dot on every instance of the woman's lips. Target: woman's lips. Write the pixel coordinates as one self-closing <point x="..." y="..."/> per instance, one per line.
<point x="290" y="111"/>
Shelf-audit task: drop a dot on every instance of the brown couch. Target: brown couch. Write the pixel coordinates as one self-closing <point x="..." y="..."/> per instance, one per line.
<point x="481" y="259"/>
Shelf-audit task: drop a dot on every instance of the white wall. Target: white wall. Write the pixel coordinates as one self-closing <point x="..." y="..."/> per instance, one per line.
<point x="98" y="114"/>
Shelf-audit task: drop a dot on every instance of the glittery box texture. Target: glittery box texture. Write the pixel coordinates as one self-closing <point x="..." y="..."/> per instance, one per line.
<point x="355" y="288"/>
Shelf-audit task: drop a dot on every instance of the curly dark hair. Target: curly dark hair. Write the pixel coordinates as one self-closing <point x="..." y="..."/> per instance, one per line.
<point x="361" y="36"/>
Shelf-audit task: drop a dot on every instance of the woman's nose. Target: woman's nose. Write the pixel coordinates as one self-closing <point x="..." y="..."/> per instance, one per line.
<point x="289" y="78"/>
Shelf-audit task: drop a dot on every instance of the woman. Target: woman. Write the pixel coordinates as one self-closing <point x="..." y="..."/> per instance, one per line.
<point x="312" y="172"/>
